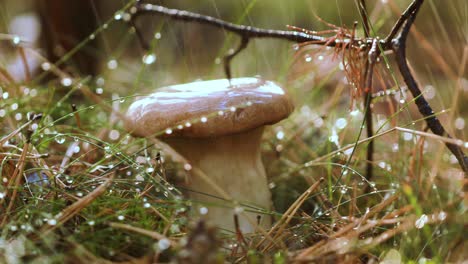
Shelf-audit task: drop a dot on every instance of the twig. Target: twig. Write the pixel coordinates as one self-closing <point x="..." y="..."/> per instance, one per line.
<point x="399" y="46"/>
<point x="414" y="6"/>
<point x="241" y="30"/>
<point x="365" y="18"/>
<point x="372" y="58"/>
<point x="152" y="234"/>
<point x="229" y="57"/>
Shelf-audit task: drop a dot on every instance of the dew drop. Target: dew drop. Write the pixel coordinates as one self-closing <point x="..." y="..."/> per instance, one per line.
<point x="203" y="210"/>
<point x="66" y="81"/>
<point x="238" y="210"/>
<point x="149" y="58"/>
<point x="164" y="244"/>
<point x="442" y="216"/>
<point x="157" y="35"/>
<point x="334" y="137"/>
<point x="52" y="222"/>
<point x="187" y="167"/>
<point x="459" y="123"/>
<point x="355" y="113"/>
<point x="279" y="148"/>
<point x="421" y="221"/>
<point x="429" y="92"/>
<point x="344" y="190"/>
<point x="204" y="119"/>
<point x="280" y="135"/>
<point x="341" y="123"/>
<point x="45" y="66"/>
<point x="16" y="40"/>
<point x="112" y="64"/>
<point x="126" y="17"/>
<point x="76" y="149"/>
<point x="59" y="138"/>
<point x="118" y="16"/>
<point x="120" y="217"/>
<point x="114" y="134"/>
<point x="407" y="136"/>
<point x="100" y="81"/>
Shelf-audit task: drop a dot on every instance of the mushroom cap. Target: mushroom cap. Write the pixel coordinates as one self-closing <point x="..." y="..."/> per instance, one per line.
<point x="209" y="108"/>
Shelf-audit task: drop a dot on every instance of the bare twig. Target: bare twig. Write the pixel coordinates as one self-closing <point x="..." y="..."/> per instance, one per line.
<point x="399" y="46"/>
<point x="372" y="58"/>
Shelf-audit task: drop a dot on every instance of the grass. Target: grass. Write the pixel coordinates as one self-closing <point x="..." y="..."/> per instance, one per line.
<point x="76" y="187"/>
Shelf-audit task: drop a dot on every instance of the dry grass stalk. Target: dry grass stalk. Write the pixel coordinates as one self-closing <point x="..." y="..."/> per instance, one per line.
<point x="276" y="231"/>
<point x="15" y="180"/>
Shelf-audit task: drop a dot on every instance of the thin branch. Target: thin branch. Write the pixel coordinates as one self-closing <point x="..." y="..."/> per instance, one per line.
<point x="372" y="59"/>
<point x="415" y="5"/>
<point x="365" y="18"/>
<point x="229" y="57"/>
<point x="241" y="30"/>
<point x="399" y="46"/>
<point x="367" y="86"/>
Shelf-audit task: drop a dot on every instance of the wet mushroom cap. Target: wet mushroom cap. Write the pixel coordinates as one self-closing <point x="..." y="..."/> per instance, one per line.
<point x="209" y="108"/>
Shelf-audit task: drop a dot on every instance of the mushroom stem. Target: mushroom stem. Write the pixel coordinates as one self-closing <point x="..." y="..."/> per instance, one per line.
<point x="232" y="162"/>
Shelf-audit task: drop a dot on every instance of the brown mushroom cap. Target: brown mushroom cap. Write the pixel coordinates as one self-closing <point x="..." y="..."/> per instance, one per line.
<point x="209" y="108"/>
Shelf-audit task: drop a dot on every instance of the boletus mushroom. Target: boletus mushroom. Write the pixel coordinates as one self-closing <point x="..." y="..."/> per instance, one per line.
<point x="217" y="126"/>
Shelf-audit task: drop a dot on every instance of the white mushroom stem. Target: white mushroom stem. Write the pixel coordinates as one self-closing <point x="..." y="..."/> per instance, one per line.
<point x="233" y="163"/>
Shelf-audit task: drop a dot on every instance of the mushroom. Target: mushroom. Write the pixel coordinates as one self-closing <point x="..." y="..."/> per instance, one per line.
<point x="217" y="126"/>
